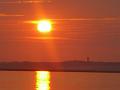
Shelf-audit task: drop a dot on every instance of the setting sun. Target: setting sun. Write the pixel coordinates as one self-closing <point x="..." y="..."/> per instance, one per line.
<point x="44" y="26"/>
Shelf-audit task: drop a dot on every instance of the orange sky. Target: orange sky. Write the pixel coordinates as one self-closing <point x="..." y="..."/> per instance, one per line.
<point x="80" y="29"/>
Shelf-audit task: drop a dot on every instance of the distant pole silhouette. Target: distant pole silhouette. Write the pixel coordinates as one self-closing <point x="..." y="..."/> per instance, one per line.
<point x="88" y="59"/>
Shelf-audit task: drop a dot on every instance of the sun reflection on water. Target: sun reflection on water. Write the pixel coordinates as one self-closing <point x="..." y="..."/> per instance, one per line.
<point x="42" y="80"/>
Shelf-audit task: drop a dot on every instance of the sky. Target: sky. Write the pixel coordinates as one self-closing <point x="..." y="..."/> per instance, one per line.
<point x="81" y="28"/>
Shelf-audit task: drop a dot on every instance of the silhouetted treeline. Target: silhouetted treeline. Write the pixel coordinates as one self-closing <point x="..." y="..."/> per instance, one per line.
<point x="80" y="66"/>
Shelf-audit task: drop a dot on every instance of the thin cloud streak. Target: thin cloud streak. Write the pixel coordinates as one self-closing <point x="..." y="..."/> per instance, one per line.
<point x="86" y="19"/>
<point x="10" y="15"/>
<point x="25" y="2"/>
<point x="50" y="38"/>
<point x="77" y="19"/>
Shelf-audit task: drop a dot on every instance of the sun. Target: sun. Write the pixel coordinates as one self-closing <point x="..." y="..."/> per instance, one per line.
<point x="44" y="26"/>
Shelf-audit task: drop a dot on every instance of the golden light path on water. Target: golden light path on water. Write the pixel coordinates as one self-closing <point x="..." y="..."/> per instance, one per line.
<point x="42" y="80"/>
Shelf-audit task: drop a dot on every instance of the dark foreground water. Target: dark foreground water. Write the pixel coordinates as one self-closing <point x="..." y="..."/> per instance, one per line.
<point x="60" y="81"/>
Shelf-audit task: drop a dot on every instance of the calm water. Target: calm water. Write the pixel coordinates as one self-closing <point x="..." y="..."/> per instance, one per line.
<point x="59" y="81"/>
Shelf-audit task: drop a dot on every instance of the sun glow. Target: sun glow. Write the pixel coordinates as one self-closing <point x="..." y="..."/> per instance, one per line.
<point x="44" y="26"/>
<point x="42" y="80"/>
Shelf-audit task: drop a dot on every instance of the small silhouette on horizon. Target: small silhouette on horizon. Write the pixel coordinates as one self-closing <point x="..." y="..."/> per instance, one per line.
<point x="88" y="59"/>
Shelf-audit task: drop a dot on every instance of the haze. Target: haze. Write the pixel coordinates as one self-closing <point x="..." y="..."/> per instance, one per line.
<point x="82" y="28"/>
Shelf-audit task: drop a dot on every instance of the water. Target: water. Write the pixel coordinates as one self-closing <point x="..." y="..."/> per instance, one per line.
<point x="60" y="81"/>
<point x="42" y="80"/>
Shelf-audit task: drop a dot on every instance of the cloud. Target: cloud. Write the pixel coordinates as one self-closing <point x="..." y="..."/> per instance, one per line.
<point x="10" y="15"/>
<point x="88" y="19"/>
<point x="25" y="1"/>
<point x="51" y="38"/>
<point x="77" y="19"/>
